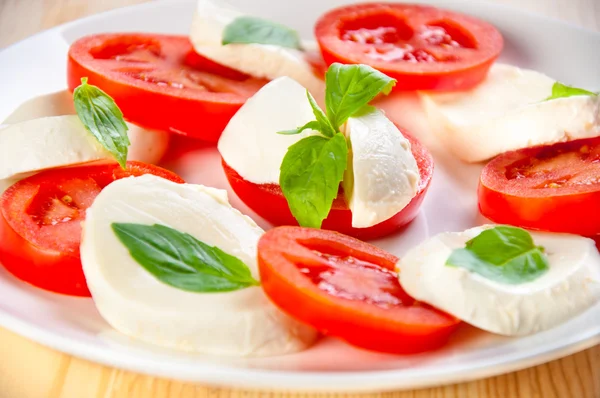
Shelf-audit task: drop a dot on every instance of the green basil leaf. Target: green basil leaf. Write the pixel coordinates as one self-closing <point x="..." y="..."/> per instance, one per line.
<point x="322" y="124"/>
<point x="560" y="90"/>
<point x="182" y="261"/>
<point x="350" y="87"/>
<point x="313" y="125"/>
<point x="504" y="254"/>
<point x="311" y="172"/>
<point x="103" y="118"/>
<point x="325" y="126"/>
<point x="248" y="30"/>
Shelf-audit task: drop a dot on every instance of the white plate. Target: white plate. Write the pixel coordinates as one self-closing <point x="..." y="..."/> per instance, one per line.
<point x="72" y="325"/>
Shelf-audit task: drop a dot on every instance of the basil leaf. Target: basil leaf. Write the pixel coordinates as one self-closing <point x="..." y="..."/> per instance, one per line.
<point x="247" y="30"/>
<point x="325" y="126"/>
<point x="560" y="90"/>
<point x="503" y="254"/>
<point x="350" y="87"/>
<point x="182" y="261"/>
<point x="103" y="118"/>
<point x="310" y="177"/>
<point x="322" y="124"/>
<point x="313" y="125"/>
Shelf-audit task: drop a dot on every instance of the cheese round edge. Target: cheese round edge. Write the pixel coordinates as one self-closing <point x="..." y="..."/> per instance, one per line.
<point x="147" y="145"/>
<point x="259" y="60"/>
<point x="240" y="323"/>
<point x="382" y="176"/>
<point x="569" y="287"/>
<point x="250" y="143"/>
<point x="508" y="111"/>
<point x="47" y="142"/>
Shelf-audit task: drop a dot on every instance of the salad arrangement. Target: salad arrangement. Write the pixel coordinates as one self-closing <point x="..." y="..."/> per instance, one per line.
<point x="90" y="212"/>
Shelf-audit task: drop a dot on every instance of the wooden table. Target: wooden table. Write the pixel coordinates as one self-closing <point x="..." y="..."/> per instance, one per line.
<point x="29" y="370"/>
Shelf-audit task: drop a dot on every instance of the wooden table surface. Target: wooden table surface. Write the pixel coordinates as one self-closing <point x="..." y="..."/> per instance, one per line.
<point x="29" y="370"/>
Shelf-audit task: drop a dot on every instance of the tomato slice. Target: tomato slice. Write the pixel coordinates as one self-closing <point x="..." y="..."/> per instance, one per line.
<point x="348" y="289"/>
<point x="267" y="200"/>
<point x="550" y="188"/>
<point x="424" y="48"/>
<point x="40" y="222"/>
<point x="159" y="82"/>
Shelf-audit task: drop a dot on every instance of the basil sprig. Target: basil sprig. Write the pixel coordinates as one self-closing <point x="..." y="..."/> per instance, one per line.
<point x="312" y="168"/>
<point x="560" y="90"/>
<point x="247" y="30"/>
<point x="503" y="254"/>
<point x="182" y="261"/>
<point x="103" y="118"/>
<point x="350" y="87"/>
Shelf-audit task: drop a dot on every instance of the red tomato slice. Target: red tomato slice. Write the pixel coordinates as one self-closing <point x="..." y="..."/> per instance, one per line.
<point x="159" y="82"/>
<point x="550" y="188"/>
<point x="423" y="47"/>
<point x="348" y="289"/>
<point x="40" y="222"/>
<point x="267" y="201"/>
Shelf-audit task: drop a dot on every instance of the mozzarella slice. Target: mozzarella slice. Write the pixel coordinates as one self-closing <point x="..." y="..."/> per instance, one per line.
<point x="47" y="142"/>
<point x="147" y="146"/>
<point x="507" y="111"/>
<point x="571" y="285"/>
<point x="250" y="143"/>
<point x="259" y="60"/>
<point x="382" y="175"/>
<point x="240" y="323"/>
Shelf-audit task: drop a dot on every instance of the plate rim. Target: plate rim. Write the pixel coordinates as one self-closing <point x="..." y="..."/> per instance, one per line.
<point x="309" y="381"/>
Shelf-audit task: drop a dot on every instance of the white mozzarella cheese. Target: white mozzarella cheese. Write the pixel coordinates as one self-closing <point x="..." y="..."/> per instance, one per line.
<point x="259" y="60"/>
<point x="382" y="175"/>
<point x="146" y="145"/>
<point x="250" y="143"/>
<point x="239" y="323"/>
<point x="507" y="111"/>
<point x="569" y="287"/>
<point x="47" y="142"/>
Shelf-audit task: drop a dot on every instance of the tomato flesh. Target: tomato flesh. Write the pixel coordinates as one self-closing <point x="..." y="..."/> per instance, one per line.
<point x="40" y="222"/>
<point x="355" y="279"/>
<point x="551" y="188"/>
<point x="423" y="47"/>
<point x="346" y="288"/>
<point x="267" y="200"/>
<point x="159" y="82"/>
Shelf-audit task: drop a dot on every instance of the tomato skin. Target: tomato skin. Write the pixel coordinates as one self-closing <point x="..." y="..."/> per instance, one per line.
<point x="47" y="269"/>
<point x="195" y="112"/>
<point x="398" y="329"/>
<point x="452" y="68"/>
<point x="267" y="201"/>
<point x="53" y="262"/>
<point x="568" y="209"/>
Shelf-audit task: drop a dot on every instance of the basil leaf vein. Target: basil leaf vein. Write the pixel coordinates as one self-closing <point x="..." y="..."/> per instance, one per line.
<point x="504" y="254"/>
<point x="182" y="261"/>
<point x="248" y="30"/>
<point x="310" y="175"/>
<point x="103" y="118"/>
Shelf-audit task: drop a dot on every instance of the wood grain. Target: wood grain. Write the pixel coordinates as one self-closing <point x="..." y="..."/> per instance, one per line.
<point x="29" y="370"/>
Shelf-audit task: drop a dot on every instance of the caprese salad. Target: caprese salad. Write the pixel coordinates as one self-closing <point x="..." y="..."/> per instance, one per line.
<point x="87" y="210"/>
